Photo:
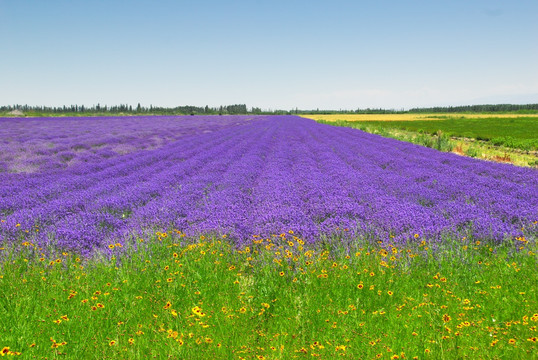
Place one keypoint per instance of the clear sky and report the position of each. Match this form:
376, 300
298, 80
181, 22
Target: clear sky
273, 54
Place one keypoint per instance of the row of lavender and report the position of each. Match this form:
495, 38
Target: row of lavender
49, 144
268, 176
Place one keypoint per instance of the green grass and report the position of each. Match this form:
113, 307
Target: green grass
517, 133
202, 298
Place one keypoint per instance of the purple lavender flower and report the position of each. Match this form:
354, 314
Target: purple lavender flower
245, 175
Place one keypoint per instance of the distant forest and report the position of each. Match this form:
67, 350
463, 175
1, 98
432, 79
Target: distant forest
477, 108
129, 109
488, 108
238, 109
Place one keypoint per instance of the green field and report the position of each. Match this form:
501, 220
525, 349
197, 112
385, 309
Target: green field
520, 133
277, 298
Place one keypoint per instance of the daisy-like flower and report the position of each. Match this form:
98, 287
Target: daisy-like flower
198, 311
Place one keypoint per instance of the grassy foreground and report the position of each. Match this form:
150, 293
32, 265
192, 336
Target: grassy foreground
278, 298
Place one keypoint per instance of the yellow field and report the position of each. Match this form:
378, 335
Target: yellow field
407, 117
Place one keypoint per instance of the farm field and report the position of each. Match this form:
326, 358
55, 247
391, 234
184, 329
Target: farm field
517, 133
258, 237
504, 138
410, 117
47, 144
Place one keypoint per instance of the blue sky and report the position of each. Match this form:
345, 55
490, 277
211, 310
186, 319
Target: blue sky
272, 54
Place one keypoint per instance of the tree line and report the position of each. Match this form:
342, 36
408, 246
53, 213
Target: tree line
477, 108
486, 108
129, 109
238, 109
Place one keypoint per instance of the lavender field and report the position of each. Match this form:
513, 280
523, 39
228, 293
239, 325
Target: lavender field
83, 183
258, 237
